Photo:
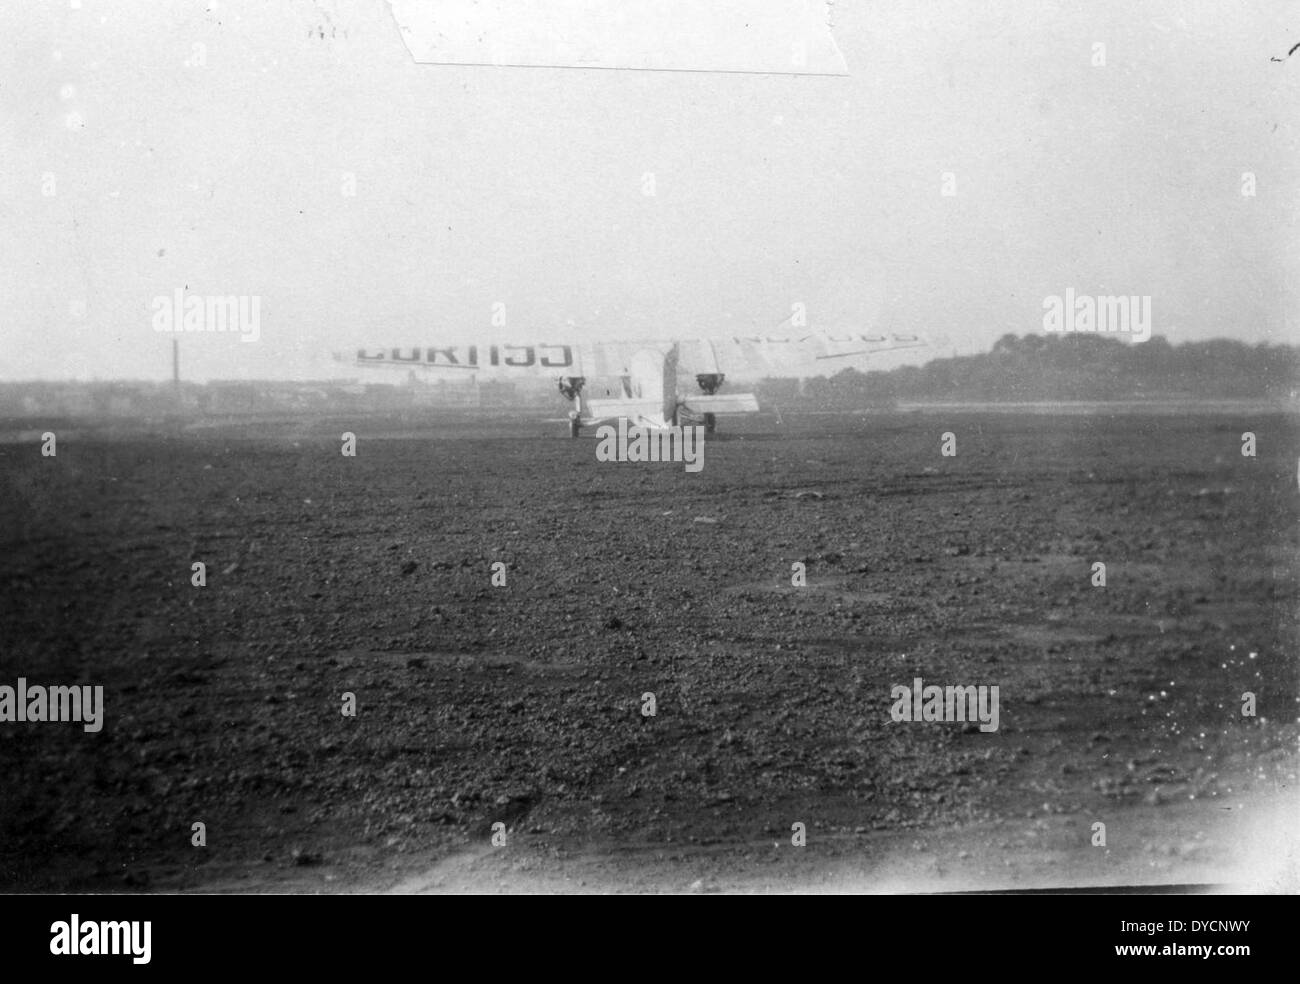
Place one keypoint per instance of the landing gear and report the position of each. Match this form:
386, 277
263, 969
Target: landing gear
571, 390
710, 383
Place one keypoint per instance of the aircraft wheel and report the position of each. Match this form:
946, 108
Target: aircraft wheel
575, 426
710, 423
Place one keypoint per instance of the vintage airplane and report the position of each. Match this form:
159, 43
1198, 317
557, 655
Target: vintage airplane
642, 381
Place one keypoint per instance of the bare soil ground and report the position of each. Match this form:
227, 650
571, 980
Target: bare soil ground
523, 704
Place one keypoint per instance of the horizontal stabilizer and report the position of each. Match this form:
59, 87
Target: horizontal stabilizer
722, 403
633, 410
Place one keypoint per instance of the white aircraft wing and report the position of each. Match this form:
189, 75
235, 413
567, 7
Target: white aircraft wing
794, 355
741, 357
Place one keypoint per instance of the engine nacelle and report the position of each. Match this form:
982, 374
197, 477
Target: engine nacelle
710, 382
571, 386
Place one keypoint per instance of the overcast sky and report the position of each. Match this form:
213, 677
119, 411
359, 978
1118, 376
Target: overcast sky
525, 186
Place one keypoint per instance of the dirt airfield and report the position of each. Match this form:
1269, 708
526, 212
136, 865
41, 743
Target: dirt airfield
525, 704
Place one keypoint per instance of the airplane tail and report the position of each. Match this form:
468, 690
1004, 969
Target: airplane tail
649, 391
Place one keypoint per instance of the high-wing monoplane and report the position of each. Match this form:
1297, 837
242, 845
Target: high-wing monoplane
655, 384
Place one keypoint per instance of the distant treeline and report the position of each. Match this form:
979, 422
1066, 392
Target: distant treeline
1036, 368
1063, 367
